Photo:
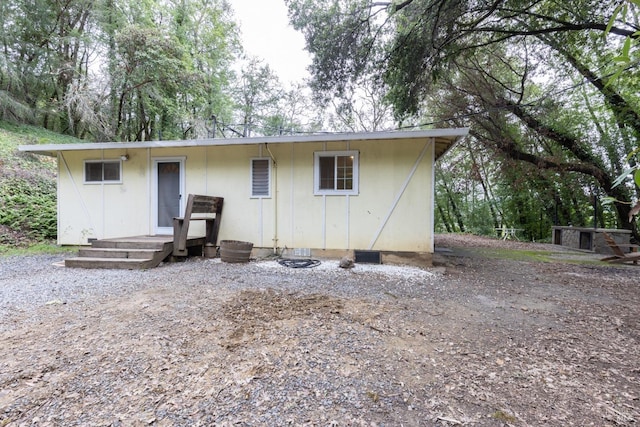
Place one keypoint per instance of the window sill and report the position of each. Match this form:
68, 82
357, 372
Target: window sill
335, 193
102, 182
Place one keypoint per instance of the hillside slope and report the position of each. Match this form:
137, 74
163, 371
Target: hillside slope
27, 186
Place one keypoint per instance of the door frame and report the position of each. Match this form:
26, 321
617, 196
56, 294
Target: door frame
154, 191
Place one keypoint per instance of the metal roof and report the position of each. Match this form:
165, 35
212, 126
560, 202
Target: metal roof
444, 139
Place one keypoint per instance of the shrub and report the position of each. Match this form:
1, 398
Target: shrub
28, 204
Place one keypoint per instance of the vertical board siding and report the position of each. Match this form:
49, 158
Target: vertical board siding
303, 219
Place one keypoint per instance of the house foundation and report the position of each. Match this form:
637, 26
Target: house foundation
415, 259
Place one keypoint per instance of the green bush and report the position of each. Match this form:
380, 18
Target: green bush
28, 205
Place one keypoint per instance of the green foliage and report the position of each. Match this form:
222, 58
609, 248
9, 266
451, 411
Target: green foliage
477, 194
28, 203
128, 70
44, 48
116, 69
626, 10
531, 79
339, 36
170, 68
150, 75
27, 186
15, 134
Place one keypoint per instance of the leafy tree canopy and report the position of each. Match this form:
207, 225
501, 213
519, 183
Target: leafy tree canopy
536, 80
127, 70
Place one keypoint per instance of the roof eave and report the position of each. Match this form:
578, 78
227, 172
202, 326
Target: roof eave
452, 134
452, 143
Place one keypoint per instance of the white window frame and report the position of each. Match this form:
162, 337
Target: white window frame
251, 170
335, 192
102, 181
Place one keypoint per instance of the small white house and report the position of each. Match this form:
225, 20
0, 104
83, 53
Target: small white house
327, 195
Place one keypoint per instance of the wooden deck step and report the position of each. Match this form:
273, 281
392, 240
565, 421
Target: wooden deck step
121, 263
137, 252
131, 243
116, 253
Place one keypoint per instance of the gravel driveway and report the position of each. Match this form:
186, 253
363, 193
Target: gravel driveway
479, 340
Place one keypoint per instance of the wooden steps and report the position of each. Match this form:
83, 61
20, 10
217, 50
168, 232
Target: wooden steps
121, 263
117, 253
138, 252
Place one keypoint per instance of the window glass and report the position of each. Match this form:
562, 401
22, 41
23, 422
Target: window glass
345, 172
93, 172
327, 169
111, 171
97, 171
336, 172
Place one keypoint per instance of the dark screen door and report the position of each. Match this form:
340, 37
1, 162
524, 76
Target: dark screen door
168, 193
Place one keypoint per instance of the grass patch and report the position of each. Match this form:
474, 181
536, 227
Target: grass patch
529, 255
12, 135
43, 248
26, 134
519, 254
504, 417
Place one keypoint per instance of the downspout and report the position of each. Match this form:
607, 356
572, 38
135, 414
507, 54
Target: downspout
275, 200
102, 202
432, 196
59, 159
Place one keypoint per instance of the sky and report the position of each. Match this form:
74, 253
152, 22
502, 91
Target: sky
266, 34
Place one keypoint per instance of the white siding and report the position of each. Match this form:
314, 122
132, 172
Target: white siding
393, 207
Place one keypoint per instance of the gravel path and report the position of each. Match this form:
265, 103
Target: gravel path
481, 340
30, 282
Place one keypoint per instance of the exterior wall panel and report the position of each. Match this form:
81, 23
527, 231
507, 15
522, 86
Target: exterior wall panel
303, 219
103, 209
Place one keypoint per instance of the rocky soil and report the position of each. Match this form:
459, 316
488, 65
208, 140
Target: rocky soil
497, 333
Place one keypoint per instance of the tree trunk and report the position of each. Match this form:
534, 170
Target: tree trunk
479, 177
445, 219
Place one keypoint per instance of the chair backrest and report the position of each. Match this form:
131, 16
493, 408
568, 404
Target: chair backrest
203, 205
613, 245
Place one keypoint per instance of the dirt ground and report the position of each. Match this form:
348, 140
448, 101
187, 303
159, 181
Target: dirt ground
500, 333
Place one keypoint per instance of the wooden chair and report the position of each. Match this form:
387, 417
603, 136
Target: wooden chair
204, 207
619, 255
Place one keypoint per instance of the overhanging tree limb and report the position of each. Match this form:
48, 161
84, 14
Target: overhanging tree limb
624, 112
